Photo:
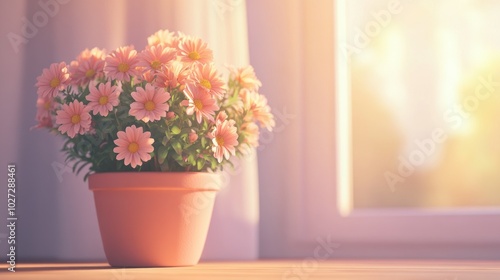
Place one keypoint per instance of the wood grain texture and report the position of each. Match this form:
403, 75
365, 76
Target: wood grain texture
267, 270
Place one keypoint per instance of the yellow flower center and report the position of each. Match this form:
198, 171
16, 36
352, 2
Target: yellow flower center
75, 119
133, 147
194, 55
219, 140
198, 104
46, 105
123, 67
206, 84
156, 64
55, 82
149, 105
90, 73
103, 100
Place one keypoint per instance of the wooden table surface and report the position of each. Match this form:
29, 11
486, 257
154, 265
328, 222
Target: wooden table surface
268, 269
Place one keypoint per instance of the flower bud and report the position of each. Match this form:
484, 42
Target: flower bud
193, 136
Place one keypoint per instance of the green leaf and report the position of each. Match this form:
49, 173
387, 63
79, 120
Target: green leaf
179, 159
200, 163
75, 165
191, 160
162, 154
175, 130
177, 147
85, 178
203, 142
213, 163
120, 165
81, 167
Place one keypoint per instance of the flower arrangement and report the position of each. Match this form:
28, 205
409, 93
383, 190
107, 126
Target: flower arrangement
165, 108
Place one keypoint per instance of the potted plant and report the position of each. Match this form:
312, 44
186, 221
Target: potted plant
153, 129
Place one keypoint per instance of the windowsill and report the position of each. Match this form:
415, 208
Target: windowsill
269, 269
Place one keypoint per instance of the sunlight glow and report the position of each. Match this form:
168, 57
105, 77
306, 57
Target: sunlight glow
418, 104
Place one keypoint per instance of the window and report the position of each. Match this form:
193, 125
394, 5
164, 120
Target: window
417, 113
425, 103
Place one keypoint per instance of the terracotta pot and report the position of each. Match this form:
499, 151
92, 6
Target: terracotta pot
154, 218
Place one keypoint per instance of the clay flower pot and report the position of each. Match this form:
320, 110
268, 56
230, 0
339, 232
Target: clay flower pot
154, 218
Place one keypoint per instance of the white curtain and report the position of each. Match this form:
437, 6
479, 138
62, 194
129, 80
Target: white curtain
291, 46
55, 208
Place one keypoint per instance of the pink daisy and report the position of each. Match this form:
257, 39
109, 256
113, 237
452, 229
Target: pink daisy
199, 102
173, 75
53, 79
122, 63
245, 76
162, 38
73, 118
134, 146
206, 77
153, 58
177, 40
224, 140
256, 104
193, 50
147, 76
95, 52
44, 107
103, 98
150, 104
43, 122
251, 132
88, 66
221, 116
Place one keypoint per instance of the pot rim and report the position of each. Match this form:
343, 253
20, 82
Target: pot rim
151, 180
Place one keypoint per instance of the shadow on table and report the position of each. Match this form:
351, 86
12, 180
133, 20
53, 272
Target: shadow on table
56, 267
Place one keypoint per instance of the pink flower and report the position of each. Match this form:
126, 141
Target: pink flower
73, 118
170, 115
251, 133
162, 38
245, 76
103, 98
134, 146
43, 122
199, 102
45, 107
88, 66
53, 79
171, 76
193, 50
153, 58
122, 63
206, 77
150, 104
256, 105
192, 136
95, 52
147, 76
221, 116
224, 140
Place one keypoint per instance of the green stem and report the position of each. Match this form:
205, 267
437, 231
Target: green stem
117, 121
